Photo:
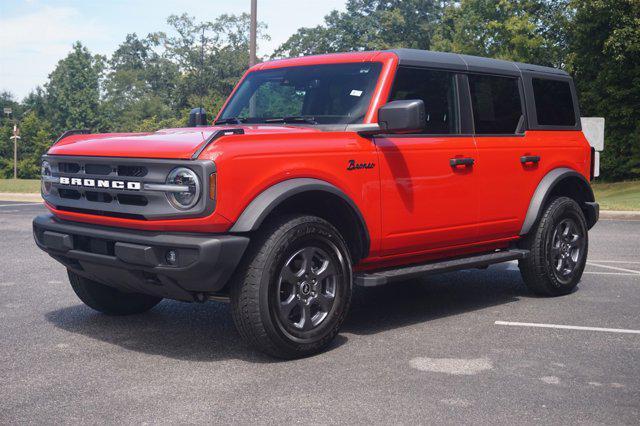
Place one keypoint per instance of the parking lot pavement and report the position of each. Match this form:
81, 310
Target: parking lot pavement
442, 349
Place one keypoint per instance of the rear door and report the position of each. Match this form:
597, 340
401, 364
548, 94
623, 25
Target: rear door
428, 203
508, 159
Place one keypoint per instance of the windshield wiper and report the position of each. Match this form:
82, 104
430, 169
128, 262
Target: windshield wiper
292, 119
231, 120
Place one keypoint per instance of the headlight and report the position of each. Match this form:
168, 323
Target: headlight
186, 177
45, 173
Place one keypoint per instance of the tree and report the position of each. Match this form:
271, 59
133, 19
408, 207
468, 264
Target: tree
211, 56
139, 84
518, 30
605, 61
73, 90
368, 25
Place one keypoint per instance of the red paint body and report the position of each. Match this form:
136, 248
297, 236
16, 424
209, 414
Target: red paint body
415, 205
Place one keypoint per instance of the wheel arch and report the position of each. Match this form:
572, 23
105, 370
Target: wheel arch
310, 196
561, 182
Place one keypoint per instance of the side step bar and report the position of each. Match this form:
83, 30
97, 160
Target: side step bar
372, 279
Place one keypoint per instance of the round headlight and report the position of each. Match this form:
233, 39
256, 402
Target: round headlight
45, 172
185, 177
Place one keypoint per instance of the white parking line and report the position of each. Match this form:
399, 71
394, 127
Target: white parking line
567, 327
615, 268
21, 204
612, 273
617, 261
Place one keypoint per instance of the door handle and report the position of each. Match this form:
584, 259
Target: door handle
530, 159
455, 162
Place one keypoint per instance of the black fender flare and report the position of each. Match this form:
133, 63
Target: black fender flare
543, 191
255, 213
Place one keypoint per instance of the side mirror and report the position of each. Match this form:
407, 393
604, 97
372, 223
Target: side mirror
197, 117
402, 116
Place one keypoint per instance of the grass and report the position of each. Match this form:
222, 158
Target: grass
611, 196
618, 195
20, 185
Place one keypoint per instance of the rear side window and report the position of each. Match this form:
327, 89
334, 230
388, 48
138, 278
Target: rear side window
496, 104
438, 91
554, 103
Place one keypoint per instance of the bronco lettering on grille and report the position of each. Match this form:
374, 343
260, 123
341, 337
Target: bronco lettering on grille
101, 183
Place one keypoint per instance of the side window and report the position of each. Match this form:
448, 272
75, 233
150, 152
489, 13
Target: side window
496, 104
554, 103
438, 91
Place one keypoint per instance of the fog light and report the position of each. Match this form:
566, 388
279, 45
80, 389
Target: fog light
171, 256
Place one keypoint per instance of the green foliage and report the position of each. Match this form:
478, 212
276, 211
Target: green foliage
517, 30
73, 90
605, 61
368, 25
152, 82
147, 84
598, 41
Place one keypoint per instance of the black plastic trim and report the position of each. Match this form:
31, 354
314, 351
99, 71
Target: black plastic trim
255, 213
377, 278
215, 135
465, 109
541, 194
138, 256
70, 133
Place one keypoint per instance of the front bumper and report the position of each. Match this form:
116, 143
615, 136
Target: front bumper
135, 261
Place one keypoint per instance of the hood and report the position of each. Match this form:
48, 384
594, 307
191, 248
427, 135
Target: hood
168, 143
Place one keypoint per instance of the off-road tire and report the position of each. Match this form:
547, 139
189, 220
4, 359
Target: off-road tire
109, 300
256, 289
540, 270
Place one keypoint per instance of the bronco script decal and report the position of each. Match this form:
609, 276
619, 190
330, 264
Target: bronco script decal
357, 166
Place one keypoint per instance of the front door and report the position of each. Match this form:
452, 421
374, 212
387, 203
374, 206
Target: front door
429, 188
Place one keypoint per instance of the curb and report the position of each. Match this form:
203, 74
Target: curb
619, 214
17, 196
36, 198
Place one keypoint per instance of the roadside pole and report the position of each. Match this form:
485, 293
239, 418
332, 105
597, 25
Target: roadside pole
15, 137
252, 33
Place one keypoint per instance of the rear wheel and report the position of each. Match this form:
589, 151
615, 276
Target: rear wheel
109, 300
294, 290
558, 249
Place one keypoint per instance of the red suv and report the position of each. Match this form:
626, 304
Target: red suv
321, 173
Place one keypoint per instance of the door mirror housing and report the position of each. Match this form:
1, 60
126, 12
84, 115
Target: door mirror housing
197, 117
405, 116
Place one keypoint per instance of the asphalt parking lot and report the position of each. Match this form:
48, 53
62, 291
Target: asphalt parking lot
444, 349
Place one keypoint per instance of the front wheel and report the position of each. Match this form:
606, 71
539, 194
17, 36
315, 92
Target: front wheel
294, 290
558, 249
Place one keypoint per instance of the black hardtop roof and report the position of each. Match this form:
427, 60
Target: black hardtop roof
455, 61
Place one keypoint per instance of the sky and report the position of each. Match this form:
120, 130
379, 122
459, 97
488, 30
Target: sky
36, 34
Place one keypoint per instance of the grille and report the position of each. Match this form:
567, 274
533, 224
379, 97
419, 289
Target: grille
132, 200
97, 169
69, 167
134, 171
70, 194
124, 201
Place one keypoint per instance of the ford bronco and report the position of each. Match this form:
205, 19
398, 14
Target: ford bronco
321, 173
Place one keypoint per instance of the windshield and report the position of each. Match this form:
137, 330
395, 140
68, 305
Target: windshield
316, 94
